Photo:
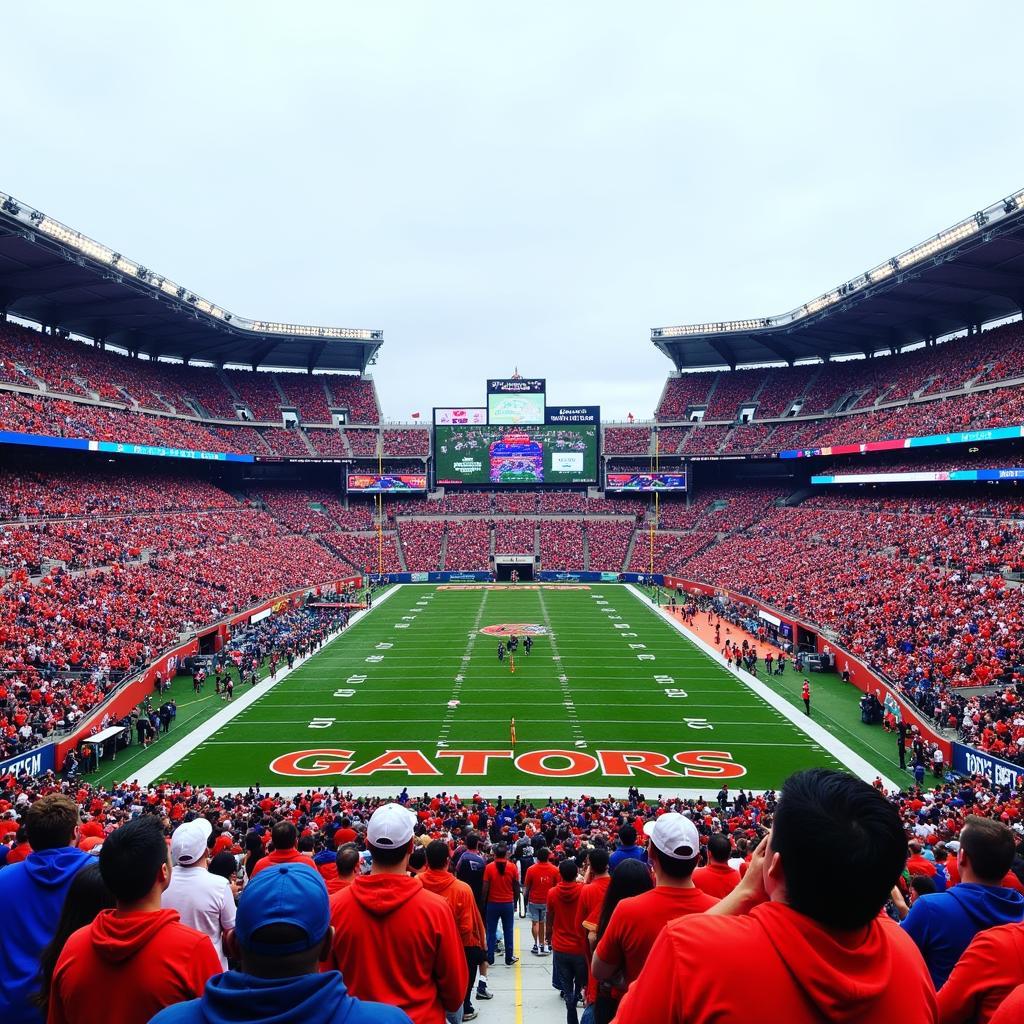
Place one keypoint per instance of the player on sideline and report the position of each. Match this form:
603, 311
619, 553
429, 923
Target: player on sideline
512, 731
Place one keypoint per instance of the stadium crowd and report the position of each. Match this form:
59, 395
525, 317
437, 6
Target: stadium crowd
220, 907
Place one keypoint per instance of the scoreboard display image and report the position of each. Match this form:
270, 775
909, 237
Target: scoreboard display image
642, 482
495, 454
516, 401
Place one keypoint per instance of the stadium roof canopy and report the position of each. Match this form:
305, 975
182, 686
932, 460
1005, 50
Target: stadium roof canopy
56, 276
968, 275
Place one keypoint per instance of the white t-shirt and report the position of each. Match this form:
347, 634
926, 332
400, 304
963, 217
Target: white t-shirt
204, 902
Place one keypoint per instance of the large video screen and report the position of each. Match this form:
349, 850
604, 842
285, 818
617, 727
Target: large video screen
516, 401
643, 482
378, 483
496, 454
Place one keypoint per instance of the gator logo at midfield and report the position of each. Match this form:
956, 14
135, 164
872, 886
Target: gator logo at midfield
515, 629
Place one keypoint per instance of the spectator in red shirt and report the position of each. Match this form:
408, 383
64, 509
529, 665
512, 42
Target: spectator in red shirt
394, 942
991, 967
501, 893
283, 837
717, 878
637, 922
346, 863
811, 950
595, 885
570, 961
540, 879
133, 961
917, 863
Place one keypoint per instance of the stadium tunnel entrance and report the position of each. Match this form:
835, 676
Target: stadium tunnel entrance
522, 565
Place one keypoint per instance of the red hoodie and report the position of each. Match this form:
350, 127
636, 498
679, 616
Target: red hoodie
798, 970
563, 906
716, 879
126, 967
989, 969
396, 943
281, 857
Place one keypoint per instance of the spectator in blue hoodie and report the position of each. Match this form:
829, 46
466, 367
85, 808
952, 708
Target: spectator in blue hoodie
282, 931
627, 848
32, 895
942, 924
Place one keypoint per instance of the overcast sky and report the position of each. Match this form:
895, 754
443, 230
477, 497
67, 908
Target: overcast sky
531, 185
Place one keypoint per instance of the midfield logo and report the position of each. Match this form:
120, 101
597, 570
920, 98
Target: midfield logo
515, 629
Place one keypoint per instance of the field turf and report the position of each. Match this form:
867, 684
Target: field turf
609, 676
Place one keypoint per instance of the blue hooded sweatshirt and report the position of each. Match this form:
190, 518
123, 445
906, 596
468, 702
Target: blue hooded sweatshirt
233, 997
32, 895
942, 924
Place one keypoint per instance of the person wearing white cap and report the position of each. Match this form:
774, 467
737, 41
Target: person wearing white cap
637, 921
395, 942
203, 900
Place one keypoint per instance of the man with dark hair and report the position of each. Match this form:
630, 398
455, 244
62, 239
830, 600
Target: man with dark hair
394, 941
138, 958
570, 960
540, 879
346, 862
470, 869
944, 923
283, 930
811, 950
438, 879
595, 885
284, 838
637, 921
717, 878
32, 894
627, 848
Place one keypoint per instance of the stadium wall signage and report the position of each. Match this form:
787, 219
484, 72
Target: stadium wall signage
968, 761
35, 762
118, 448
926, 441
930, 476
546, 764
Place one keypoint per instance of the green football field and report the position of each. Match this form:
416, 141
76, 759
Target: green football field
414, 694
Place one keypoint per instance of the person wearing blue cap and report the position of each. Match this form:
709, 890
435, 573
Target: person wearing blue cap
282, 931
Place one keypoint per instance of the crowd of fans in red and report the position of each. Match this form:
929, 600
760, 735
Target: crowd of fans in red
846, 958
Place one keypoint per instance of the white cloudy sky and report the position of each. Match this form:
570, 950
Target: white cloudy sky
531, 185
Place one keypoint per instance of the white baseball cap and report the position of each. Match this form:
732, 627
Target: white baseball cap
188, 844
391, 826
674, 835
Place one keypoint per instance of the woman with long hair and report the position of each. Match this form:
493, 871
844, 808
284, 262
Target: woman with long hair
254, 853
630, 878
87, 896
500, 896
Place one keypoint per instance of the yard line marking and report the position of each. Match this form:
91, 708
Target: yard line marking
814, 732
563, 679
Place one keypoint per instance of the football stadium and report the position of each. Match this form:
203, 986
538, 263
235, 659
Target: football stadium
576, 694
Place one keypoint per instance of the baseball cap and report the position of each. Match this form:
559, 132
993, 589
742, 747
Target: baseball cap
674, 835
391, 826
292, 894
188, 843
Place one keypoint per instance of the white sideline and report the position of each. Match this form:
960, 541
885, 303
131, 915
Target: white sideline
816, 732
162, 762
